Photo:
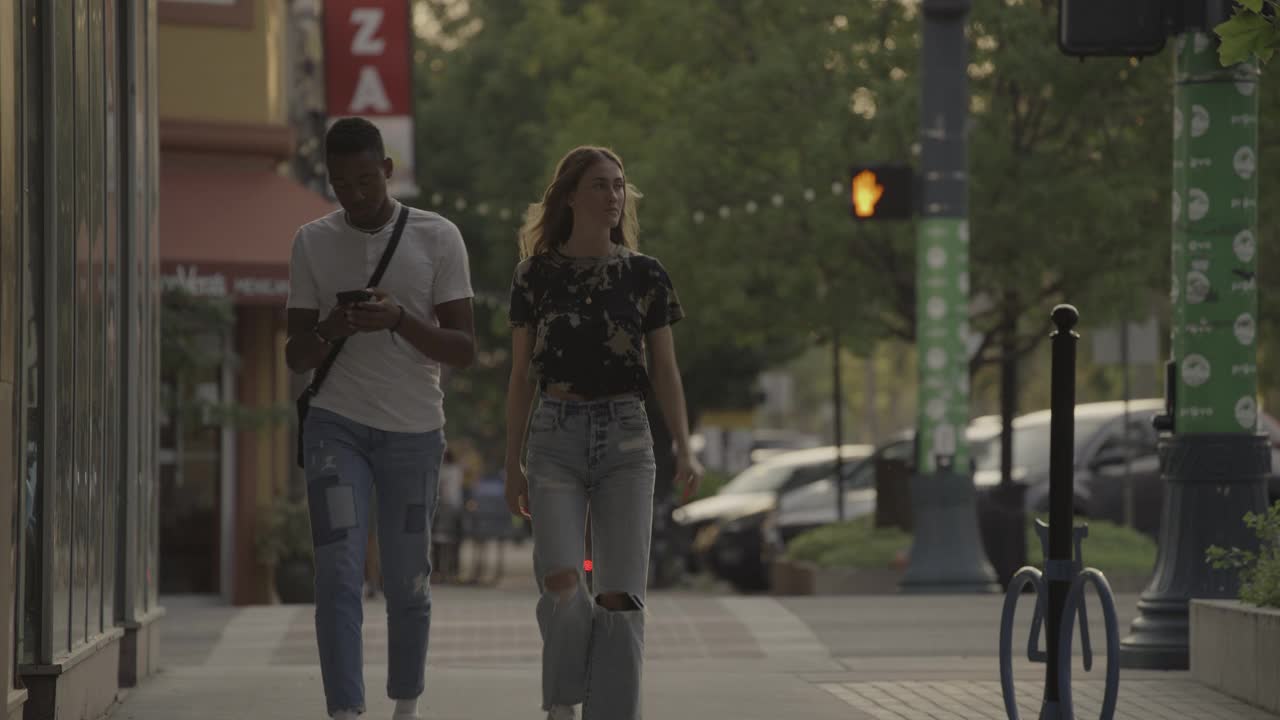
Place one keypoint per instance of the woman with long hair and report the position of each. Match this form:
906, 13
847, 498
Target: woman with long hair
585, 307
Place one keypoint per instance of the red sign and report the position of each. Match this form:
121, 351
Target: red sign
367, 62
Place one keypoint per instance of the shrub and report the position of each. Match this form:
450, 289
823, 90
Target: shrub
856, 543
1259, 571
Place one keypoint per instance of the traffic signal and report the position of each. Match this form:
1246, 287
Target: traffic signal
881, 192
1115, 28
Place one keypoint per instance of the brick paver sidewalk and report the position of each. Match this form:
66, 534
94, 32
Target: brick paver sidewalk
710, 657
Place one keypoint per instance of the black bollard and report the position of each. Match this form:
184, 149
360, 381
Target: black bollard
1059, 569
1059, 590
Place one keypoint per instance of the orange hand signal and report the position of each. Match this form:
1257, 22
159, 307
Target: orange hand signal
866, 193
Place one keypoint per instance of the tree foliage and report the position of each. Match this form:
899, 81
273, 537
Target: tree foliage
739, 119
1251, 31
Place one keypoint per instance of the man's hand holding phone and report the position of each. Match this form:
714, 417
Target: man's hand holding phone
379, 312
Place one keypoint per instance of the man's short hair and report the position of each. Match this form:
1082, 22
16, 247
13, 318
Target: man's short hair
354, 135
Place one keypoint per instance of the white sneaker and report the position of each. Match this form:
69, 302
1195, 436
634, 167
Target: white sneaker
562, 712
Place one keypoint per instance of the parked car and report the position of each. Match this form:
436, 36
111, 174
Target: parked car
1105, 461
1102, 459
814, 505
755, 490
760, 443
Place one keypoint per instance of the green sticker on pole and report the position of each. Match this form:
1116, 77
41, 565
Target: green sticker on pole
942, 322
1215, 210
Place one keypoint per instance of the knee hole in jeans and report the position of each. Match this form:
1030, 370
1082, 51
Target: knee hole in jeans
563, 582
619, 602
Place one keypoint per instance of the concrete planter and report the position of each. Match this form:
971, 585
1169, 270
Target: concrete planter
799, 578
790, 578
1235, 648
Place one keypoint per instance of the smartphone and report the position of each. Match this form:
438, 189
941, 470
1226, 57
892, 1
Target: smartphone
351, 297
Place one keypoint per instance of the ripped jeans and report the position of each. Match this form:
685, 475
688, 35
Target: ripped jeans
594, 456
345, 463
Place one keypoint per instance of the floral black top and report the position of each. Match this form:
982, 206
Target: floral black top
589, 317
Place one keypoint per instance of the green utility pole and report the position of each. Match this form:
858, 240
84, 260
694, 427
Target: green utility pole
1216, 462
946, 554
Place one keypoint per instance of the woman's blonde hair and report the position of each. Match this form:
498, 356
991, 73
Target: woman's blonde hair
547, 224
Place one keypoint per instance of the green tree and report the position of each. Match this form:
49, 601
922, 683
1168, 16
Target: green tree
736, 107
1069, 187
727, 102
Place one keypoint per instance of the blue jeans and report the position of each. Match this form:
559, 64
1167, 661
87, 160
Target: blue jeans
346, 462
591, 456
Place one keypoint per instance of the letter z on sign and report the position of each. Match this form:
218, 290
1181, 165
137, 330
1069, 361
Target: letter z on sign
367, 22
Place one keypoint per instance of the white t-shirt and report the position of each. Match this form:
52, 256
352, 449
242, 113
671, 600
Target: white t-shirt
379, 379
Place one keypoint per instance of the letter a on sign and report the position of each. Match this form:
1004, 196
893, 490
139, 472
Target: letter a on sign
370, 93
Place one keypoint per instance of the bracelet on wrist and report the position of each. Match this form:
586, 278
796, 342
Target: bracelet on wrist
399, 320
320, 334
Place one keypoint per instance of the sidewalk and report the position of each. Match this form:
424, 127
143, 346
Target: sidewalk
710, 657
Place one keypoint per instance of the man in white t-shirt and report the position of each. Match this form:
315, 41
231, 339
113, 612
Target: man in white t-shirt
376, 424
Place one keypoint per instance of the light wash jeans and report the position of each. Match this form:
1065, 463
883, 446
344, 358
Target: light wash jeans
345, 463
595, 455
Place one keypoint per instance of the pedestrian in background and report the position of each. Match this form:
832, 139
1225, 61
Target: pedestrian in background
585, 307
446, 535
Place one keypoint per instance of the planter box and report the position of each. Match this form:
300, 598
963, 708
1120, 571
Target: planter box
797, 578
1235, 648
790, 578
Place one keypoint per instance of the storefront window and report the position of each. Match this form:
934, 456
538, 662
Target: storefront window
83, 479
88, 333
30, 376
112, 456
59, 485
194, 330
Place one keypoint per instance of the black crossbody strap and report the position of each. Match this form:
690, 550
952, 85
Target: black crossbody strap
323, 370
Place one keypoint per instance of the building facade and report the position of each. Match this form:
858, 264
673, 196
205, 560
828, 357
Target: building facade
79, 349
233, 128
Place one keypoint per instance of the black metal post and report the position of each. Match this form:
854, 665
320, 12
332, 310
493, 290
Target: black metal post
1058, 565
837, 403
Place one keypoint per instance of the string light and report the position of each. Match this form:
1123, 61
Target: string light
699, 216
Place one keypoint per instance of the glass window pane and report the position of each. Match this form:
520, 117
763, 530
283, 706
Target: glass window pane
137, 389
97, 355
33, 336
83, 352
111, 251
153, 305
59, 511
